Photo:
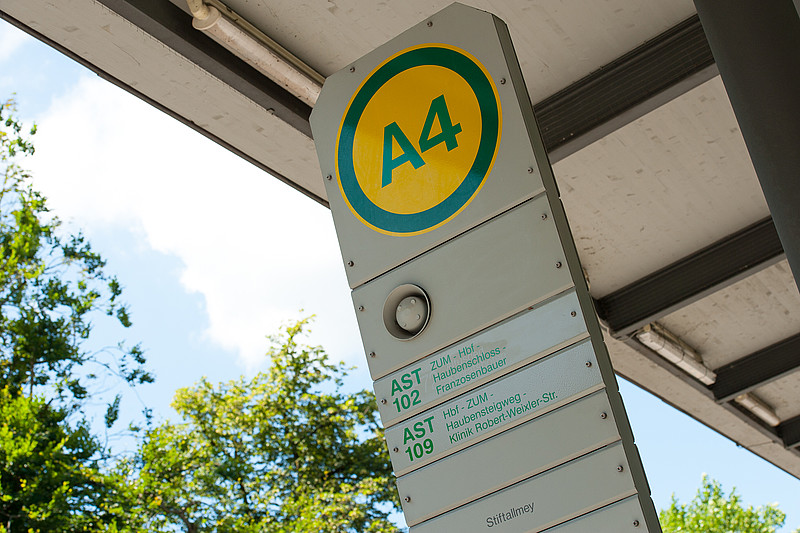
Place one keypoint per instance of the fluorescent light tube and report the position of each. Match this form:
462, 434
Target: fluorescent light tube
272, 63
676, 352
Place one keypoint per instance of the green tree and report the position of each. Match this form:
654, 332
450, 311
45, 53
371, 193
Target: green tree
712, 512
52, 285
52, 472
285, 451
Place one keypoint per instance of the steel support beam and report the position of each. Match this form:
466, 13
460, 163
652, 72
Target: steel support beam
671, 371
790, 432
169, 24
759, 368
786, 434
690, 279
757, 48
616, 94
173, 27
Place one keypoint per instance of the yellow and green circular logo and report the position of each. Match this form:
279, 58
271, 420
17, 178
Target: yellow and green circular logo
418, 139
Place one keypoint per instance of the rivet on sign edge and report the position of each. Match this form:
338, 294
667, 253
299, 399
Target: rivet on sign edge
372, 354
544, 216
352, 69
350, 263
502, 81
620, 469
588, 364
603, 415
430, 23
360, 307
329, 177
635, 523
407, 499
383, 401
573, 314
559, 264
395, 449
530, 170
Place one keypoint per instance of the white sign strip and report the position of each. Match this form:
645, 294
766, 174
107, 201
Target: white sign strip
543, 501
519, 453
494, 352
621, 517
528, 392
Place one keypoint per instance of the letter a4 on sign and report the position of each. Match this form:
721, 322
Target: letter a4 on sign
413, 134
409, 172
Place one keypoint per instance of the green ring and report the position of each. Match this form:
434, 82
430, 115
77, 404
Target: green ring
487, 103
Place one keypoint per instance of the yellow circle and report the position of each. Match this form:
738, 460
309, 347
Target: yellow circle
406, 100
418, 139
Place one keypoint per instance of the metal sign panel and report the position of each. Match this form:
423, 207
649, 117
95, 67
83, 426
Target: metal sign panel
450, 224
573, 489
621, 517
435, 97
526, 450
485, 411
480, 281
491, 353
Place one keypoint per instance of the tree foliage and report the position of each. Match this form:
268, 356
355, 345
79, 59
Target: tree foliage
52, 284
284, 451
712, 512
53, 478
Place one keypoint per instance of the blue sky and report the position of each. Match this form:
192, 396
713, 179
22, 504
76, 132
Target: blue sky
215, 254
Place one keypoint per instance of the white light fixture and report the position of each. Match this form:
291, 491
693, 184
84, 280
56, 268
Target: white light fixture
255, 48
676, 352
756, 406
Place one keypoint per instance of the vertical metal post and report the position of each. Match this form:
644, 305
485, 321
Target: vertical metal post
757, 49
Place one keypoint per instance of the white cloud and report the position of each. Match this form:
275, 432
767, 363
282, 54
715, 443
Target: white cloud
11, 39
254, 248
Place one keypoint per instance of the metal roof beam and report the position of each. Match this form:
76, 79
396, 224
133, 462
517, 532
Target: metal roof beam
717, 266
669, 371
624, 90
757, 46
652, 74
786, 434
173, 27
759, 368
790, 432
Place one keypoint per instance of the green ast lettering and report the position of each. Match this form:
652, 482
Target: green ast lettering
416, 433
406, 382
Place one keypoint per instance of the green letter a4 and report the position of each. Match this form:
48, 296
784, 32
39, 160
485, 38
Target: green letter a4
410, 154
